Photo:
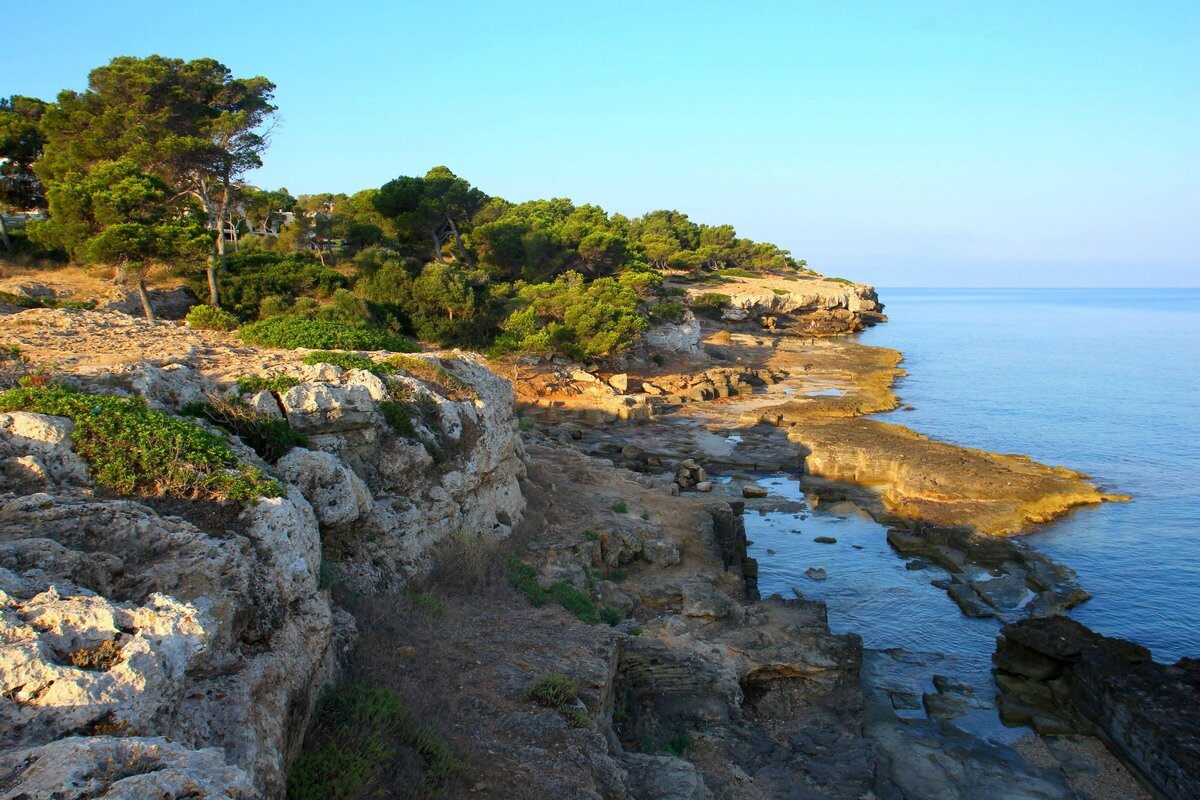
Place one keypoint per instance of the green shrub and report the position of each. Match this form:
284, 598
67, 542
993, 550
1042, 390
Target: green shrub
666, 312
133, 450
736, 272
397, 415
24, 301
610, 616
253, 277
272, 438
523, 578
253, 384
846, 281
711, 302
781, 292
553, 690
346, 361
679, 744
575, 716
290, 331
577, 601
620, 507
591, 536
210, 318
358, 732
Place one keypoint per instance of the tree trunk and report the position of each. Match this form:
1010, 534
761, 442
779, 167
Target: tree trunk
144, 297
437, 243
4, 233
458, 238
211, 272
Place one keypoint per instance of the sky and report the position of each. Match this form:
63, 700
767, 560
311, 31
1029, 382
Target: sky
901, 144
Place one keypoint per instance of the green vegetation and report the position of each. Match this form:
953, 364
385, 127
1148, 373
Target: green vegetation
591, 536
359, 732
451, 386
427, 256
396, 414
620, 507
553, 690
133, 450
253, 384
425, 602
210, 318
781, 292
270, 437
710, 303
524, 578
292, 331
679, 744
24, 301
346, 361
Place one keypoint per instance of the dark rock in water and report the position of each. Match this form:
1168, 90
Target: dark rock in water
915, 564
816, 573
825, 540
946, 685
1005, 592
904, 701
751, 490
1053, 669
944, 706
968, 601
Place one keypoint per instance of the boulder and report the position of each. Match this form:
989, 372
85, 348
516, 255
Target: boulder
337, 495
653, 777
620, 382
122, 768
751, 490
324, 408
45, 444
265, 404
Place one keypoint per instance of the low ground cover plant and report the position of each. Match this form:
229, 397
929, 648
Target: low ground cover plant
135, 451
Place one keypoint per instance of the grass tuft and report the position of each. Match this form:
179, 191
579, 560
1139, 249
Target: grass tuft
360, 729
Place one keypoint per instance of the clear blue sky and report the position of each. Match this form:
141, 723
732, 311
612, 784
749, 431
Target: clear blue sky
954, 144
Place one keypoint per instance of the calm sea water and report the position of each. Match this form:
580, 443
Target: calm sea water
1103, 381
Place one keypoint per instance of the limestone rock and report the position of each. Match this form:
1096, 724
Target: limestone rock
46, 439
325, 408
660, 777
265, 404
750, 491
122, 768
337, 495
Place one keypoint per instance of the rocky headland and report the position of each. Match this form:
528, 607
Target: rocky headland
524, 525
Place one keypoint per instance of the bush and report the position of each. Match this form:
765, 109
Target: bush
210, 318
24, 301
290, 331
620, 507
524, 578
666, 312
253, 384
398, 417
711, 302
270, 437
679, 744
346, 361
133, 450
254, 276
359, 730
553, 690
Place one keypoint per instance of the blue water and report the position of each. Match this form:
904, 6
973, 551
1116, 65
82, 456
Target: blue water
1103, 381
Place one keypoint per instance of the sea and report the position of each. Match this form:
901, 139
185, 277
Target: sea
1103, 381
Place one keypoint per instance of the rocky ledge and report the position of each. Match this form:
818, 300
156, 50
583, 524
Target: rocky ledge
149, 646
1058, 675
801, 304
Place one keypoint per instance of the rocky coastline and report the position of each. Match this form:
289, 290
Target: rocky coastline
167, 648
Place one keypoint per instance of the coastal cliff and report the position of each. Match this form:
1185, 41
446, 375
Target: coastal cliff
189, 640
458, 540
